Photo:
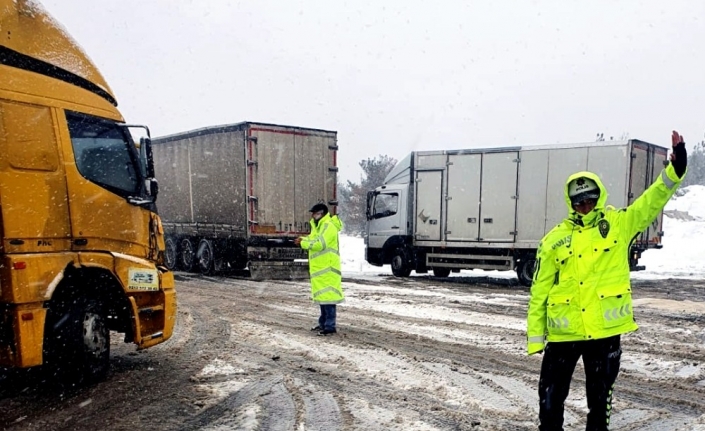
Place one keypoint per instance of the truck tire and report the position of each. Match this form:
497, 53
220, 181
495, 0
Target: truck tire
525, 270
204, 256
400, 263
171, 253
187, 256
77, 341
208, 260
441, 272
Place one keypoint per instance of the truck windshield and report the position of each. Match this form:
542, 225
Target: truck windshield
385, 205
104, 153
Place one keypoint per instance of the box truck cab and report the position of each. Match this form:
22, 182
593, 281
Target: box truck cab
82, 244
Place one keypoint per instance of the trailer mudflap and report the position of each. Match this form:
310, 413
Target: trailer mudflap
278, 270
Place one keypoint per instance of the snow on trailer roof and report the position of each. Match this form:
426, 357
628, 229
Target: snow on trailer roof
225, 128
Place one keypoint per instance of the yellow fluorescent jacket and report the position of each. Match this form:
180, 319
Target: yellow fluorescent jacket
324, 260
581, 288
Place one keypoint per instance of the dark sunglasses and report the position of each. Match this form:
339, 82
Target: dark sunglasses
585, 202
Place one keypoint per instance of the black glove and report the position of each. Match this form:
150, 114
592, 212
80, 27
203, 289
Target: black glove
680, 161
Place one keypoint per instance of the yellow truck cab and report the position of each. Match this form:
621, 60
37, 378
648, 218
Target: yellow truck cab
82, 245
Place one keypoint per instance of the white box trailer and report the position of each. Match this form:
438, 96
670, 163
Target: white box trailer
490, 208
237, 195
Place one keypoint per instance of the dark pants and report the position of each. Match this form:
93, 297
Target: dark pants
327, 317
601, 361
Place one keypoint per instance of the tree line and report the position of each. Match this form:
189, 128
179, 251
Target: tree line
696, 165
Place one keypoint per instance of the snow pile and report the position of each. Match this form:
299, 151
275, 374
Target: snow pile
683, 252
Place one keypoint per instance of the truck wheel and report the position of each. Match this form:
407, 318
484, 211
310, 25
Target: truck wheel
188, 255
171, 253
441, 272
525, 270
400, 263
77, 341
207, 262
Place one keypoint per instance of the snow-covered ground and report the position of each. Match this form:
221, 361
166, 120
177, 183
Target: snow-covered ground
457, 351
682, 255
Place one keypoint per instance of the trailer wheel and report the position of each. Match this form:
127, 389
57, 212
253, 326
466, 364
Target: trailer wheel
77, 341
208, 261
400, 263
441, 272
171, 253
188, 255
525, 270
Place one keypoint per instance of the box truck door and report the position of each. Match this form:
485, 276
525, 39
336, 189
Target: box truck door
611, 164
647, 163
428, 205
289, 170
498, 196
386, 217
531, 205
562, 163
464, 173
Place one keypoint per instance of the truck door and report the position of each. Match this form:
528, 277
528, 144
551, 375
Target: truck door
102, 173
386, 217
428, 205
498, 199
464, 175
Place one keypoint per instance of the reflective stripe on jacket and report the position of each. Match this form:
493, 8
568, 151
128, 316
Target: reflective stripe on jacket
324, 260
581, 288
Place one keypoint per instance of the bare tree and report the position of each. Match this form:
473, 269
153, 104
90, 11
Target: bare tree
353, 196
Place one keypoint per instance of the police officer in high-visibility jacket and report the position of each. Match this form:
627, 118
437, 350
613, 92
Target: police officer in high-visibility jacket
581, 297
324, 266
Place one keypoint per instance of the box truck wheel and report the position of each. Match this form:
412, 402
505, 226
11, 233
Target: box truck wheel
441, 272
77, 341
525, 269
171, 253
187, 257
400, 263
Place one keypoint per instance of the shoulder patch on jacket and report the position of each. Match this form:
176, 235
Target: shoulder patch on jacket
604, 227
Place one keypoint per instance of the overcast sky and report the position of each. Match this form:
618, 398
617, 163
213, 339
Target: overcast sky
391, 77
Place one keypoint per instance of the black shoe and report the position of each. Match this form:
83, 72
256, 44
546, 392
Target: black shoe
325, 332
317, 328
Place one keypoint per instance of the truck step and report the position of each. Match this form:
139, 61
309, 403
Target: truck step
151, 309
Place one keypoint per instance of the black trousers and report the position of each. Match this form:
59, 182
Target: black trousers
601, 360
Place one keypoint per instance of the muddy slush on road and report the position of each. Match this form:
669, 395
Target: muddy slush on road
420, 353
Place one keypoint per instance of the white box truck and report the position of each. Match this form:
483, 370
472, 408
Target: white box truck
489, 208
237, 195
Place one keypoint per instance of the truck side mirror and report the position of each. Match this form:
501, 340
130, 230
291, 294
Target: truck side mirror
368, 208
146, 148
153, 188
